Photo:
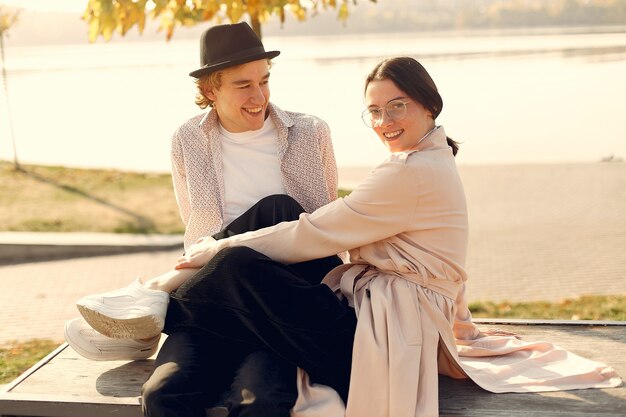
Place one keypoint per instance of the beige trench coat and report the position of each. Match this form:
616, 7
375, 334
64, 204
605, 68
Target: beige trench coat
407, 225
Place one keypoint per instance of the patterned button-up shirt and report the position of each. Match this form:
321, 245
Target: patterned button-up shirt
307, 165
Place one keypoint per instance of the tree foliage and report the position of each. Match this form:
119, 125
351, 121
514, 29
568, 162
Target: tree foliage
105, 17
8, 17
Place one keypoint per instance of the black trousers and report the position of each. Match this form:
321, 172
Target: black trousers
240, 326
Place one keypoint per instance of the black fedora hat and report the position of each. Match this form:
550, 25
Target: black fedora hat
225, 46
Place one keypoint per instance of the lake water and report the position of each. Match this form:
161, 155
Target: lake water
509, 97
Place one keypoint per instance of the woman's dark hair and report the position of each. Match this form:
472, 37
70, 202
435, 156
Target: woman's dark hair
412, 78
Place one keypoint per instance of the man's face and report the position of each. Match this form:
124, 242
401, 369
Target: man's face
241, 100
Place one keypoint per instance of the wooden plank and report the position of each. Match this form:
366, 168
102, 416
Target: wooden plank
67, 385
605, 344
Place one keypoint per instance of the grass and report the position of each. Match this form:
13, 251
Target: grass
59, 199
588, 307
18, 357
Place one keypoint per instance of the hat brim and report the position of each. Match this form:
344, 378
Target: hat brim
207, 69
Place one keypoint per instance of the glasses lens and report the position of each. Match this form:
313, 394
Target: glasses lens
370, 117
396, 109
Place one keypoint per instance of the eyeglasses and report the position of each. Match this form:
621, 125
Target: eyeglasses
395, 109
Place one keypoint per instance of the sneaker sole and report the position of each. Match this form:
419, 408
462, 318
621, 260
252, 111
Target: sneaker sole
139, 355
133, 328
79, 350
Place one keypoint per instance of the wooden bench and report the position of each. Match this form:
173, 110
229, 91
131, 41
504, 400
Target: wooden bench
65, 385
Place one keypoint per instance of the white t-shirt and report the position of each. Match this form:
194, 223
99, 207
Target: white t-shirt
251, 168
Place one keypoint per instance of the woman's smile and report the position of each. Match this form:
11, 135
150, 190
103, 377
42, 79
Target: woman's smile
393, 135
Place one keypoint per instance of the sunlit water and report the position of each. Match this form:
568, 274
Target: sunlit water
509, 98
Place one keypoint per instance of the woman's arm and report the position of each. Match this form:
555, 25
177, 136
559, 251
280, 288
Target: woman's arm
382, 206
171, 280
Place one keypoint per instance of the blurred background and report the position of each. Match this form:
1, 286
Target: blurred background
539, 81
535, 91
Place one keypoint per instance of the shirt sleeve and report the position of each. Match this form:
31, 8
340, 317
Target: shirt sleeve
329, 164
382, 206
179, 178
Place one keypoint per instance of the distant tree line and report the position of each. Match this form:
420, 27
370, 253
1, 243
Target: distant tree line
412, 15
529, 13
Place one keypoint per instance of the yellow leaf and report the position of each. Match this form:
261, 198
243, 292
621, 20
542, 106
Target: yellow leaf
208, 15
108, 27
301, 14
141, 19
168, 24
235, 10
343, 12
159, 7
94, 29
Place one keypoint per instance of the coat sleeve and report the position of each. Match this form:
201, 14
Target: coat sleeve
381, 207
179, 178
463, 327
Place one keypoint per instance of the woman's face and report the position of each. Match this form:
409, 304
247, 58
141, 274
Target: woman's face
397, 135
241, 100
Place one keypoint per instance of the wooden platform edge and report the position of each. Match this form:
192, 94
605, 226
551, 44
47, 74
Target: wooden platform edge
26, 407
13, 402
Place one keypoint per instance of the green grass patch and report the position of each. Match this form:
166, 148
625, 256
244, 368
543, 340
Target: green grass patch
588, 307
18, 357
343, 193
59, 199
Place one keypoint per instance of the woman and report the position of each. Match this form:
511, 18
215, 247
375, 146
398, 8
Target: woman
405, 228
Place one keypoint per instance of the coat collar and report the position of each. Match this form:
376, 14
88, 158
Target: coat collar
436, 138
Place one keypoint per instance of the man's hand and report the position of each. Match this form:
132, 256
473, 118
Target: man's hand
199, 254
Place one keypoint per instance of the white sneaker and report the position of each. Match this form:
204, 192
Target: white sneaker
133, 312
97, 347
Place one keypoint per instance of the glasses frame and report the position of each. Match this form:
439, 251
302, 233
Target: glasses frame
366, 115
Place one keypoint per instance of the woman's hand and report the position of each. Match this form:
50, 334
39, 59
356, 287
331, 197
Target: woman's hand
199, 254
496, 332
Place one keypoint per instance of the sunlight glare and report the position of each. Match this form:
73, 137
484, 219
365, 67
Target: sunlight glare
47, 5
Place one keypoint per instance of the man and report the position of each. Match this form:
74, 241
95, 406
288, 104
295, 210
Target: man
231, 169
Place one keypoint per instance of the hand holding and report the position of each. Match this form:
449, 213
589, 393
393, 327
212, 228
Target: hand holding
199, 254
497, 332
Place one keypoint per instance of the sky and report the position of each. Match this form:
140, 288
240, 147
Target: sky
48, 5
